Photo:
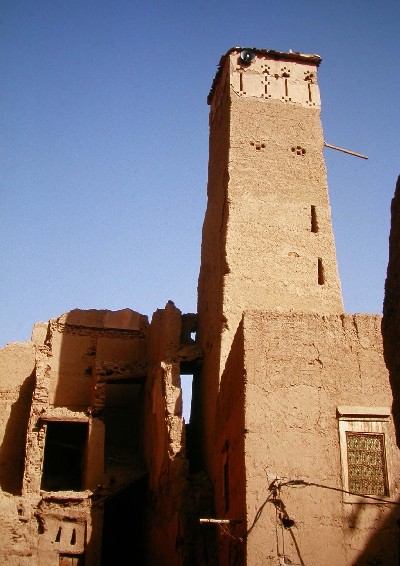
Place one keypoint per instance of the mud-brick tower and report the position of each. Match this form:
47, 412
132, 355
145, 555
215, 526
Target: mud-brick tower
267, 236
292, 390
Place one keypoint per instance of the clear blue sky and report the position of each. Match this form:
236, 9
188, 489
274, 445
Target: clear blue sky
105, 143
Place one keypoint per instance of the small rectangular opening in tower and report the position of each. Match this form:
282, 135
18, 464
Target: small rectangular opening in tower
321, 274
314, 221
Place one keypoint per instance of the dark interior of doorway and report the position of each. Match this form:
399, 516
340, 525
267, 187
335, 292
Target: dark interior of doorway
123, 526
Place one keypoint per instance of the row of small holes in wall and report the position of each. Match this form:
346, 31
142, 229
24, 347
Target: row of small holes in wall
258, 145
297, 150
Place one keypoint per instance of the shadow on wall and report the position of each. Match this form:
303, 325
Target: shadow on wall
385, 538
391, 311
230, 481
12, 450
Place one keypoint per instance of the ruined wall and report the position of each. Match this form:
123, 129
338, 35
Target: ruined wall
172, 526
17, 363
82, 420
300, 369
94, 464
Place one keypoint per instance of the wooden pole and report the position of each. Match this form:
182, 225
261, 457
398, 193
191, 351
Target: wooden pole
345, 150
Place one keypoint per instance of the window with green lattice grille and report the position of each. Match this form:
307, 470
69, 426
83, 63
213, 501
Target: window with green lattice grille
366, 463
364, 459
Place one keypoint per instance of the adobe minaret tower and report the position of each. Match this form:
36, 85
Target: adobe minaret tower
267, 236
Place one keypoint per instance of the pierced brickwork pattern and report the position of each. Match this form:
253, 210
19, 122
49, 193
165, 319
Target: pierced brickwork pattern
366, 463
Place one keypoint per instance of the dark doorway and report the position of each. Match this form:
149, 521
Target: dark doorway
123, 526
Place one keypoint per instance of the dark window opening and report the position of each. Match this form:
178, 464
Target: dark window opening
122, 420
321, 274
63, 456
314, 221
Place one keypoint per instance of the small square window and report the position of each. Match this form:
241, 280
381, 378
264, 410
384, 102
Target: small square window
362, 433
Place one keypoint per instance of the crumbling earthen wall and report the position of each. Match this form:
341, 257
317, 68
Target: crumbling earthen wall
17, 364
83, 430
171, 520
300, 369
104, 464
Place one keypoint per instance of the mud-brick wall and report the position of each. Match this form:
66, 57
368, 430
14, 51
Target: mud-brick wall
167, 536
299, 368
17, 363
230, 476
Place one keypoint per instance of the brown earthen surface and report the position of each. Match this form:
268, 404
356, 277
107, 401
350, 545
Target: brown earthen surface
299, 369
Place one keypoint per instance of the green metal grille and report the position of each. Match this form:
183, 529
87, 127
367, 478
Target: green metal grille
366, 463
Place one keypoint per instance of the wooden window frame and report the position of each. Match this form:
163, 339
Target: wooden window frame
363, 420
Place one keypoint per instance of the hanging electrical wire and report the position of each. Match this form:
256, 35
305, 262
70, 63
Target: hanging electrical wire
303, 483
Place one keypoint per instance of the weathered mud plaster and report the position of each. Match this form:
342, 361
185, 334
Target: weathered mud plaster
293, 389
172, 520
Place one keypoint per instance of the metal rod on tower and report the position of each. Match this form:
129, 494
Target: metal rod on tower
345, 150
